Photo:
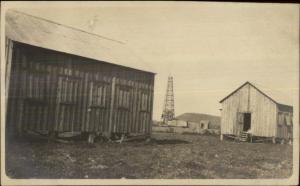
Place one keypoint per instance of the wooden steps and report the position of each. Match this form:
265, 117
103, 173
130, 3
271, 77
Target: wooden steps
243, 136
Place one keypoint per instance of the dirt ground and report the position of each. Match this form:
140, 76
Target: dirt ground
165, 156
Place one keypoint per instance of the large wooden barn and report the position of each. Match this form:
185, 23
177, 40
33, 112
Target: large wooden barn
248, 109
61, 79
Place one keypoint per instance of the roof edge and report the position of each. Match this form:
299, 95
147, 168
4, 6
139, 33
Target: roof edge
108, 57
247, 82
285, 108
67, 26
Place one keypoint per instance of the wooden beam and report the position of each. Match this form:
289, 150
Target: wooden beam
111, 111
9, 54
273, 140
151, 98
91, 137
248, 104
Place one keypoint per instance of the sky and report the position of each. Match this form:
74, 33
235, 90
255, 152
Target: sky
210, 48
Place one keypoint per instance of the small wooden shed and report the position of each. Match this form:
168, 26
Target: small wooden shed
248, 109
60, 78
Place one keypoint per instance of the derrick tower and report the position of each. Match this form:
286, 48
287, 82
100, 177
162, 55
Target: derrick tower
168, 110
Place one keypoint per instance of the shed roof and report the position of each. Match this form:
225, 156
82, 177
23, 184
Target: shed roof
47, 34
269, 94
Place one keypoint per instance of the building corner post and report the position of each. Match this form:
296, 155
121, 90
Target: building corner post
273, 140
110, 127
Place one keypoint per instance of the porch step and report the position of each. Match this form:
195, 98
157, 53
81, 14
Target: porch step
243, 136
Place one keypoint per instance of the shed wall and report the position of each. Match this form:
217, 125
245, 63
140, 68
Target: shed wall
54, 91
284, 125
264, 114
238, 102
248, 99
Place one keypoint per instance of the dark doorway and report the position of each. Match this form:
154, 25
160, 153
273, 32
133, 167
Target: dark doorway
247, 121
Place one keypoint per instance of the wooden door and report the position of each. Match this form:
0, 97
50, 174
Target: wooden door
34, 111
123, 97
67, 101
98, 106
144, 109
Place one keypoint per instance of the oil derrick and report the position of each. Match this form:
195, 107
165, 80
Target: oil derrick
168, 110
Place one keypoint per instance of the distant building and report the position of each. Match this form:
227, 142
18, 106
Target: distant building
201, 121
177, 123
249, 109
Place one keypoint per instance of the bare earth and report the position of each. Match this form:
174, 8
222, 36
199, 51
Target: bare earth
165, 156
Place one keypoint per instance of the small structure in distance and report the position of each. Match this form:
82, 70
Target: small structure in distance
199, 121
191, 123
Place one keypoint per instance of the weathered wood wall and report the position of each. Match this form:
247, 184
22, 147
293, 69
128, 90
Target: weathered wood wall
284, 124
249, 99
264, 117
8, 58
238, 102
60, 92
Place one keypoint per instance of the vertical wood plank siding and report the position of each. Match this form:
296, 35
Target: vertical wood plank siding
230, 108
8, 59
248, 99
263, 119
52, 91
284, 130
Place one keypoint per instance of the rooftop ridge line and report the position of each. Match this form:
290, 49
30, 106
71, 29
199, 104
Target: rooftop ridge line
67, 26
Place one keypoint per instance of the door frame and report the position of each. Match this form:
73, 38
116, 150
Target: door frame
244, 120
241, 124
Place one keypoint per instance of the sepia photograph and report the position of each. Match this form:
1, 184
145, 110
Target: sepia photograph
155, 93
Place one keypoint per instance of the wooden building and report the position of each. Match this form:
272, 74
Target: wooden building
60, 78
177, 123
205, 121
248, 109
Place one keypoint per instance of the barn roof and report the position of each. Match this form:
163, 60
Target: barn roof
197, 117
47, 34
270, 94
